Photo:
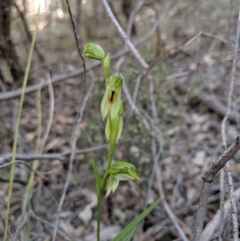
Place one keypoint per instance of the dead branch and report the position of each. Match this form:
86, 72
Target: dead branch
53, 156
157, 168
208, 177
224, 142
124, 36
16, 93
213, 225
79, 117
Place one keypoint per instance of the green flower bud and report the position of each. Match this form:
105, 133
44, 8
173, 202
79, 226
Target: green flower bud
106, 66
94, 51
112, 97
120, 171
115, 81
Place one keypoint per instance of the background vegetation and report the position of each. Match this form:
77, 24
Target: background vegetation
173, 114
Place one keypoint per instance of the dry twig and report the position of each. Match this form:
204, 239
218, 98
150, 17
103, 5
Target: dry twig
124, 35
213, 225
73, 151
157, 167
208, 177
224, 143
79, 117
53, 156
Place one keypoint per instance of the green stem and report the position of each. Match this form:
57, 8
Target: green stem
110, 157
99, 203
110, 154
16, 133
103, 186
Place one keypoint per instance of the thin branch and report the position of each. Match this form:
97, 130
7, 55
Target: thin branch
225, 157
157, 167
70, 166
213, 225
50, 117
156, 23
16, 93
53, 156
124, 35
201, 33
208, 177
132, 16
76, 40
20, 227
47, 224
137, 85
79, 117
224, 142
222, 197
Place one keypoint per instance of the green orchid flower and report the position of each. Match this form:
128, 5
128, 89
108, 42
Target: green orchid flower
94, 51
112, 101
120, 171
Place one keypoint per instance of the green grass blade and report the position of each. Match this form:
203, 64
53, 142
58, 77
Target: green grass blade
129, 236
15, 141
135, 222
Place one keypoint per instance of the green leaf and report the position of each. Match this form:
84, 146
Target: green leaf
129, 236
97, 176
135, 222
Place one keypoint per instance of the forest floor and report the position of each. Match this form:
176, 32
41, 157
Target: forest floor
190, 57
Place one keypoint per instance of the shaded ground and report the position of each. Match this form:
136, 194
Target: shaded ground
190, 79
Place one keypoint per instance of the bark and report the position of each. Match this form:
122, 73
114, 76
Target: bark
7, 48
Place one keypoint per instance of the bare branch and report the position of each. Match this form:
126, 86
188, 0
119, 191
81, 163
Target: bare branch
157, 167
53, 156
132, 16
16, 93
208, 177
222, 197
73, 151
124, 35
48, 224
79, 117
224, 141
201, 33
213, 225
